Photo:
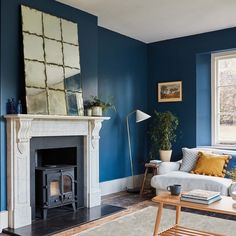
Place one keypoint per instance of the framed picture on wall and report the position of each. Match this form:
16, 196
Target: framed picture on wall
170, 91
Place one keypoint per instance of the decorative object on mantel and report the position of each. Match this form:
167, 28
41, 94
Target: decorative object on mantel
170, 91
140, 116
19, 107
12, 107
89, 112
162, 134
98, 106
52, 64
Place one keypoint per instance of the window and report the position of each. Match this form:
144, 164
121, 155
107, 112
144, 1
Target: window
224, 99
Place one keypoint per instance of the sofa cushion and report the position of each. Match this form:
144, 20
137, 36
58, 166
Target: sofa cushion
232, 153
190, 181
166, 167
211, 164
189, 160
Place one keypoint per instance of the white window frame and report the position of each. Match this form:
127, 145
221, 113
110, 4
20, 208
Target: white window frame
215, 97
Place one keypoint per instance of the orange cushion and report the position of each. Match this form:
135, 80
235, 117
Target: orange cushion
211, 164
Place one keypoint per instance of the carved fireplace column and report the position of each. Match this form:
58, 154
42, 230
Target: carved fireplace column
93, 192
18, 171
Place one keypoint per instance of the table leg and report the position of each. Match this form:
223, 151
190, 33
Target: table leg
158, 219
178, 209
144, 180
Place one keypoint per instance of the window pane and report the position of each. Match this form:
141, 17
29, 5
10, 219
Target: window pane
227, 99
227, 71
227, 129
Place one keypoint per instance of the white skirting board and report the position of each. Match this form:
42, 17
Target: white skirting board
118, 185
3, 220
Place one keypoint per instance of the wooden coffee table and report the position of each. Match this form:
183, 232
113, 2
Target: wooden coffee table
224, 206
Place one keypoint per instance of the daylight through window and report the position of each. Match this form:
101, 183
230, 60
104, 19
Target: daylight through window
224, 98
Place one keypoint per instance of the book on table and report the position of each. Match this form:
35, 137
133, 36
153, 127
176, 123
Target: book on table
206, 202
201, 196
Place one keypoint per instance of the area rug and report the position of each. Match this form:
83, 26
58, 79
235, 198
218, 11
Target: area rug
141, 223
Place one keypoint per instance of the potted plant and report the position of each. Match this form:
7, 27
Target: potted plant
98, 106
162, 135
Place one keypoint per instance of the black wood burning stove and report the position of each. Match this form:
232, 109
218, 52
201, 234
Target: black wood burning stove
55, 187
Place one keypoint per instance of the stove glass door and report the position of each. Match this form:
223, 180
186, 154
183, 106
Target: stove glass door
67, 184
54, 188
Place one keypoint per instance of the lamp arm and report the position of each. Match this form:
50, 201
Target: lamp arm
130, 114
129, 143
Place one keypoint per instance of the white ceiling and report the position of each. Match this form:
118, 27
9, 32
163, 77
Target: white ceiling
155, 20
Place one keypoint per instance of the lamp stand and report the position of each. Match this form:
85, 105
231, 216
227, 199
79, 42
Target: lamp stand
133, 189
140, 116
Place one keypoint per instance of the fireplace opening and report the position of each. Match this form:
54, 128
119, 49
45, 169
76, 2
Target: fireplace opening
57, 175
55, 156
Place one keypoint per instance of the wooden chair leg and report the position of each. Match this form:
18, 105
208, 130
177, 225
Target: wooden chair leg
144, 180
158, 219
177, 219
155, 171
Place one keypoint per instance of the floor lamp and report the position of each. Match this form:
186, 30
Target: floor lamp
140, 116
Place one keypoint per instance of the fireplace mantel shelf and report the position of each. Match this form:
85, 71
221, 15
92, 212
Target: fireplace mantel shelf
55, 117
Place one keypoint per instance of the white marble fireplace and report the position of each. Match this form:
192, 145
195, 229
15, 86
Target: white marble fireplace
20, 129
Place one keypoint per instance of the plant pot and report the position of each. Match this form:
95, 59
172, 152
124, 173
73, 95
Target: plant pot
89, 112
165, 155
232, 188
97, 111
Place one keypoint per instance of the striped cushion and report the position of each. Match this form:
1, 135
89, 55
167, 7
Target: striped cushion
190, 157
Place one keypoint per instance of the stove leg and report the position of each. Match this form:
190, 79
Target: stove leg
45, 212
73, 205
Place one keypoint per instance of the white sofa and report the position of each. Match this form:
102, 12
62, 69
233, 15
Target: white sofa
169, 174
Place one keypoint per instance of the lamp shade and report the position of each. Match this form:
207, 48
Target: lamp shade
140, 116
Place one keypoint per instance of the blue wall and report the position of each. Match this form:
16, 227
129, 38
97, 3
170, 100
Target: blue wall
176, 59
203, 89
128, 70
12, 73
122, 72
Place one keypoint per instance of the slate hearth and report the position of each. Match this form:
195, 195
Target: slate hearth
63, 219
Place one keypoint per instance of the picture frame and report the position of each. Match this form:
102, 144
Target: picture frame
169, 91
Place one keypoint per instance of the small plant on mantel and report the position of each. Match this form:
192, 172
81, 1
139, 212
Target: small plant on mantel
98, 106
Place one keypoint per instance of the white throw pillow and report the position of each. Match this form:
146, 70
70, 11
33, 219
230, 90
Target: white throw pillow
189, 160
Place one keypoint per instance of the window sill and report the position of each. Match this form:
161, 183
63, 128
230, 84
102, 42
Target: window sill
221, 147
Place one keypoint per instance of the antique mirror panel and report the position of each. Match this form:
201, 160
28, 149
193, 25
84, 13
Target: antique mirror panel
52, 64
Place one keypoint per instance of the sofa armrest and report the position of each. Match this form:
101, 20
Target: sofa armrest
166, 167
